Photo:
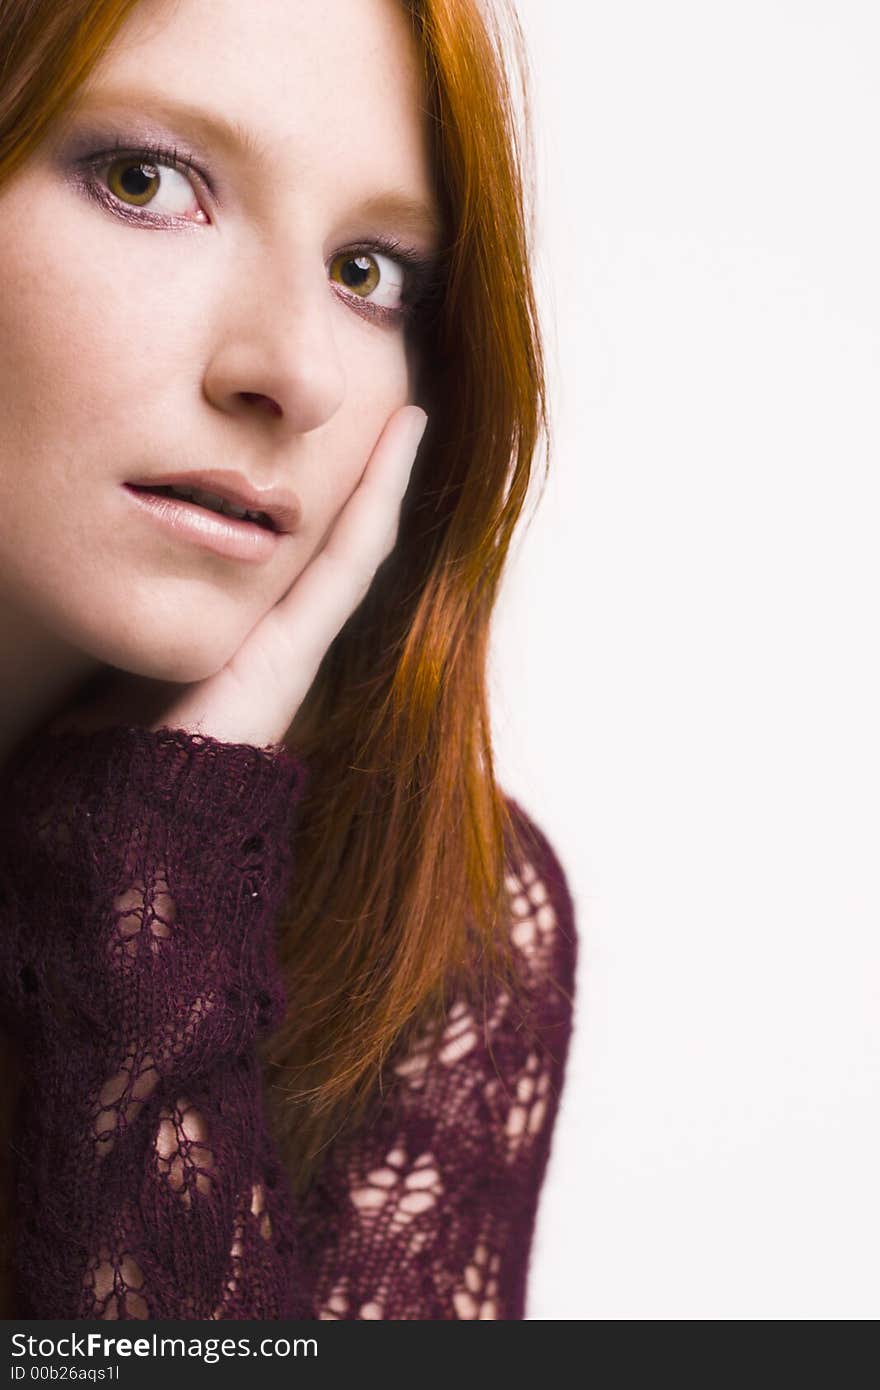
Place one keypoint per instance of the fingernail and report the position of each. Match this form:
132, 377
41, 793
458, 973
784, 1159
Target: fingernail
420, 420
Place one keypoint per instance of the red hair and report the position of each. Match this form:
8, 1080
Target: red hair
403, 838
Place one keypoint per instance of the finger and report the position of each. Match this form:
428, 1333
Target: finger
302, 625
366, 529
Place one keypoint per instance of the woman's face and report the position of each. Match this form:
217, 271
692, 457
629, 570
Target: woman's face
173, 319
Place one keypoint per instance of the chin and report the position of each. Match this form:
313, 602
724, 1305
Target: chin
162, 666
177, 651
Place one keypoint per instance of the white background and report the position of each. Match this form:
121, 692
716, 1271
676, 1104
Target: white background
685, 684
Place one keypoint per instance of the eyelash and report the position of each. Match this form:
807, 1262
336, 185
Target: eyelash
422, 278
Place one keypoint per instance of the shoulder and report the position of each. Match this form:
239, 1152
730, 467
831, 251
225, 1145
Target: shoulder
516, 1025
496, 1065
542, 919
510, 1032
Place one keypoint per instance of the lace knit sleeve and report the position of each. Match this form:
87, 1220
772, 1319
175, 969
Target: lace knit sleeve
140, 877
429, 1212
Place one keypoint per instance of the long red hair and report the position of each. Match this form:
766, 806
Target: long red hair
403, 838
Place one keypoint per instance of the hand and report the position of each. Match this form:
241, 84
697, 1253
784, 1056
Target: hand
255, 696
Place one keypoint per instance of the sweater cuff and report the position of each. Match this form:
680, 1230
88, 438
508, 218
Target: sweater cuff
174, 759
172, 784
99, 828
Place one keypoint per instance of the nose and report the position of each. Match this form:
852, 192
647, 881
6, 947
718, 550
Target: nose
274, 352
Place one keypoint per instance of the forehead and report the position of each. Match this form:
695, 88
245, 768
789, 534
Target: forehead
332, 88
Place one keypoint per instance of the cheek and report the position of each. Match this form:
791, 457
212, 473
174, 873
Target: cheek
75, 316
45, 277
378, 386
51, 348
378, 377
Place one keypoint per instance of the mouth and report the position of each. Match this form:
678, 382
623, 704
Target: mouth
211, 502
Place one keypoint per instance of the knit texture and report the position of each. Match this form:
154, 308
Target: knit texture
141, 877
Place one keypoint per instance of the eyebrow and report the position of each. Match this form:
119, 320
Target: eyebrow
411, 214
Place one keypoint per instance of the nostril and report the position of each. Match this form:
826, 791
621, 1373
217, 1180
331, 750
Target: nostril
265, 402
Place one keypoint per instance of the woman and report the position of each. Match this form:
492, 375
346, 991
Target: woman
251, 830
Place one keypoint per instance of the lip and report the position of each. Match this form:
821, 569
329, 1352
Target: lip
280, 504
223, 535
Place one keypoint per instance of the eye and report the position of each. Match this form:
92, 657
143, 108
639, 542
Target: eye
157, 185
142, 181
370, 276
139, 183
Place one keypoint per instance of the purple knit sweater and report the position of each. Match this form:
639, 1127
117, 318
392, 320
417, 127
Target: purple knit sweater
141, 875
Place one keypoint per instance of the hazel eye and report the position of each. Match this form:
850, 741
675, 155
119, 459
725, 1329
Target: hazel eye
368, 275
138, 183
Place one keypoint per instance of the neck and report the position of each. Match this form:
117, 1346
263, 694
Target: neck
41, 675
